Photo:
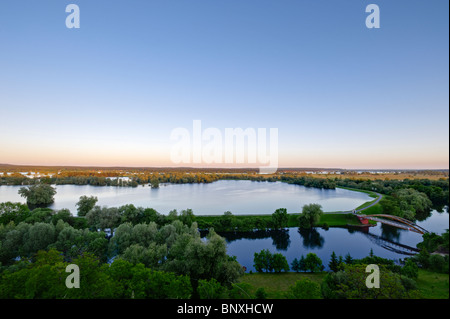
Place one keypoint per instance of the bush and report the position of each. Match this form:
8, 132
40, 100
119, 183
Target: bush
211, 289
437, 263
304, 289
410, 269
260, 294
409, 283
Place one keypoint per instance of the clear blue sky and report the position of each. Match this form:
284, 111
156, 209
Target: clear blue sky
111, 92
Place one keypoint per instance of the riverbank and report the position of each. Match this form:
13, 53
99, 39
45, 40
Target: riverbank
238, 223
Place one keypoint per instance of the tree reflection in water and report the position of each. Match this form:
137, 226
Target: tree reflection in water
280, 237
311, 238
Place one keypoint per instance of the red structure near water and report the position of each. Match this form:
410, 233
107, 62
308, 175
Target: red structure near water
363, 220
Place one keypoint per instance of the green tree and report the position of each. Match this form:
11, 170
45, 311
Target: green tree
154, 182
15, 212
334, 263
144, 234
38, 194
138, 281
351, 284
331, 283
310, 215
390, 206
40, 215
280, 218
211, 289
268, 262
302, 264
11, 241
262, 261
304, 289
151, 215
122, 238
313, 263
45, 279
260, 293
423, 257
187, 217
295, 265
340, 263
129, 213
410, 269
226, 221
95, 283
172, 216
412, 202
279, 263
38, 237
63, 215
150, 256
67, 239
103, 217
432, 241
438, 263
348, 259
85, 204
201, 260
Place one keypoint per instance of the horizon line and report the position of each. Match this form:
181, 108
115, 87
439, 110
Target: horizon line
224, 168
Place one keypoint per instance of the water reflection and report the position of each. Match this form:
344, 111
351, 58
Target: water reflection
390, 233
421, 216
311, 238
393, 246
280, 238
384, 240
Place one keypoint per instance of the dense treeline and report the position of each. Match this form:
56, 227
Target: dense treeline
173, 248
154, 179
150, 255
44, 276
436, 190
122, 181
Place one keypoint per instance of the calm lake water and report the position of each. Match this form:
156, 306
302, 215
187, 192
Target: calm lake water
239, 197
247, 197
384, 240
